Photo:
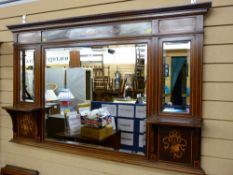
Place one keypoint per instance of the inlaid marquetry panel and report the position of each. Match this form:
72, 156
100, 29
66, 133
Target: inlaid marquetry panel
175, 144
26, 126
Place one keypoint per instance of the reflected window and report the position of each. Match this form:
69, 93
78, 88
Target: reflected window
27, 60
93, 94
176, 72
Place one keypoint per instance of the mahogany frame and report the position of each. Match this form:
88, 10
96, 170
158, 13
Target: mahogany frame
160, 125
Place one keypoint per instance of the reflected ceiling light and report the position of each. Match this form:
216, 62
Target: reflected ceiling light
171, 46
193, 1
24, 19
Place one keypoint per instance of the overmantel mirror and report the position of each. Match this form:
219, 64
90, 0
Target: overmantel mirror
124, 87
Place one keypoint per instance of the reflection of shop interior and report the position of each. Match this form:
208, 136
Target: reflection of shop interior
97, 77
114, 71
128, 135
177, 75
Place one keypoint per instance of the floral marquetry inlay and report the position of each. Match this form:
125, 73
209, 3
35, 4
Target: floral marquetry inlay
26, 125
175, 144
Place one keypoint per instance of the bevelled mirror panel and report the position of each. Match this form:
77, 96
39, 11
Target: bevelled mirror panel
27, 65
105, 31
176, 77
29, 37
96, 95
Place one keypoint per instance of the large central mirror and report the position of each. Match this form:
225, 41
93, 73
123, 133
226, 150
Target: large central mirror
96, 95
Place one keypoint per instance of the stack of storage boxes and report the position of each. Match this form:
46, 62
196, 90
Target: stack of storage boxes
130, 120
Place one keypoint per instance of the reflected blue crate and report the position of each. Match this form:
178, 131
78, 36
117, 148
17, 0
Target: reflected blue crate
128, 112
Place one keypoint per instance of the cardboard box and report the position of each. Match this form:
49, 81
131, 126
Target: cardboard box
100, 122
96, 133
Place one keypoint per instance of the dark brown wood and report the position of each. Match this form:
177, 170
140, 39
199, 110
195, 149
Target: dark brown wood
21, 109
27, 122
182, 10
175, 121
187, 123
17, 79
174, 144
110, 155
168, 24
15, 170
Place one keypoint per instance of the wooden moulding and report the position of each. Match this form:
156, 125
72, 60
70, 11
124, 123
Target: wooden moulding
175, 121
11, 109
162, 128
183, 10
109, 155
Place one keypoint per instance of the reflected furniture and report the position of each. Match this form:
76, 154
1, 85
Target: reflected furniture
100, 88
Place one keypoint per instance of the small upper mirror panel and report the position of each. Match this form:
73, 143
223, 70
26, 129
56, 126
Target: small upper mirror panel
27, 64
176, 73
103, 31
29, 37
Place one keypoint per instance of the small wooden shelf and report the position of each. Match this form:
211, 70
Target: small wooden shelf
21, 109
175, 121
27, 121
